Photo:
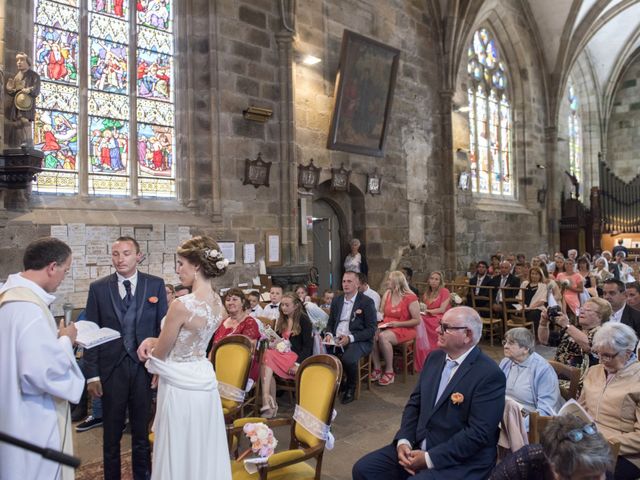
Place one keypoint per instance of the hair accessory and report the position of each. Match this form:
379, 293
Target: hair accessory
213, 254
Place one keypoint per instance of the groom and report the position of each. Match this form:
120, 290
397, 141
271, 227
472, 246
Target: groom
132, 303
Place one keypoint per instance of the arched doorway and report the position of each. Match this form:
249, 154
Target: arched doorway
337, 217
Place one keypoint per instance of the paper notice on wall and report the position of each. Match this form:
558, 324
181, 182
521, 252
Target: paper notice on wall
249, 253
59, 231
273, 249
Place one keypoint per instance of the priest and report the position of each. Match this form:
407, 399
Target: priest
39, 373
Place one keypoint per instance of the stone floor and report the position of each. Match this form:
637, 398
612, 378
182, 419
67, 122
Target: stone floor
360, 427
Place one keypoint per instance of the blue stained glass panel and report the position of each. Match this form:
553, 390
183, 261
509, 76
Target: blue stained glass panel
108, 145
108, 66
56, 135
56, 55
115, 8
155, 150
155, 13
154, 75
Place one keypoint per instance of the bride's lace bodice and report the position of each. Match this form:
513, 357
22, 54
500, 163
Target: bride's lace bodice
204, 317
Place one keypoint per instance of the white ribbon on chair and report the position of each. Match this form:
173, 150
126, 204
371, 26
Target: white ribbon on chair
230, 392
315, 426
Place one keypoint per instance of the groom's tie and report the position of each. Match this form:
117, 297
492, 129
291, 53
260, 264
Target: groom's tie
444, 379
127, 297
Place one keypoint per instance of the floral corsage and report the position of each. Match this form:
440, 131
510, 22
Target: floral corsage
153, 299
457, 398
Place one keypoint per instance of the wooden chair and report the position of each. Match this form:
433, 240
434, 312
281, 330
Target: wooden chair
232, 357
364, 369
483, 305
514, 317
567, 372
317, 383
405, 351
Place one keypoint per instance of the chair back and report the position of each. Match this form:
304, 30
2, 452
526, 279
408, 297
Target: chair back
567, 372
231, 358
537, 424
317, 382
482, 303
511, 313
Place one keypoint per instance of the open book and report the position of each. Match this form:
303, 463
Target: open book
574, 408
90, 335
271, 335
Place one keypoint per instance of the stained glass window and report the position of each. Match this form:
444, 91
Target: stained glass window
90, 138
489, 118
575, 136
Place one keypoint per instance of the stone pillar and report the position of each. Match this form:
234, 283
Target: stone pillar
2, 71
553, 208
288, 167
448, 185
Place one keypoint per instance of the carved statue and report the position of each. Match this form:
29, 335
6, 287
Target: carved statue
22, 91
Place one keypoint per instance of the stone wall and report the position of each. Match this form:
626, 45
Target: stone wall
624, 125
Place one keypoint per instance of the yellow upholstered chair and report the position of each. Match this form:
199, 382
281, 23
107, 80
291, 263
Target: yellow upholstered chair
317, 384
231, 358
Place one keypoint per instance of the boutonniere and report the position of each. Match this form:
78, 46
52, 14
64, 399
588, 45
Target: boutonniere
457, 398
153, 299
354, 314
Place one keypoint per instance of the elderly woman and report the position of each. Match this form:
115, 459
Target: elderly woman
355, 261
611, 394
601, 273
575, 344
531, 381
401, 311
569, 448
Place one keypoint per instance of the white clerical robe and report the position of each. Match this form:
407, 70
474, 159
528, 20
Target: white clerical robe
38, 375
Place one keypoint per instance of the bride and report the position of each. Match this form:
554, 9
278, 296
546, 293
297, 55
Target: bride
190, 439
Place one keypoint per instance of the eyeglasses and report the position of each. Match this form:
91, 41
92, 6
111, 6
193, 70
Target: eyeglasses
578, 434
509, 342
444, 327
605, 356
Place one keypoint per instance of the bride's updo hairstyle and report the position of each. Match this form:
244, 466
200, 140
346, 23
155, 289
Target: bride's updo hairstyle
204, 252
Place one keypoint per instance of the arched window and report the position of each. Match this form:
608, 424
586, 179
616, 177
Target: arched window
105, 117
575, 136
489, 119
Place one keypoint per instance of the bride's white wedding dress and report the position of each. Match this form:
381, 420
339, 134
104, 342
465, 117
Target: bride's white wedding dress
190, 439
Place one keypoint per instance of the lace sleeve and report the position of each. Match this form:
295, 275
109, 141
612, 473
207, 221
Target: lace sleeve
250, 329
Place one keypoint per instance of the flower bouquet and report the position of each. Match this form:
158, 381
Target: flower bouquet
263, 444
455, 298
283, 346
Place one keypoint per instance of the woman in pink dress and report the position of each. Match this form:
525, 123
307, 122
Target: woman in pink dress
572, 285
239, 322
401, 312
437, 301
283, 357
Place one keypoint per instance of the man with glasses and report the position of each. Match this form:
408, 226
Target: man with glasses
450, 423
614, 292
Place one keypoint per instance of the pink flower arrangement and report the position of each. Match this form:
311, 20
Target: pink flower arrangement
263, 442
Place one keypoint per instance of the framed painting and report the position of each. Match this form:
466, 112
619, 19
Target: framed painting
363, 96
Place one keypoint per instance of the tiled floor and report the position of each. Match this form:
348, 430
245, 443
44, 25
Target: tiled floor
360, 427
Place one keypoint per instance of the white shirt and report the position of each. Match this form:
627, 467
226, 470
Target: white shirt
479, 282
134, 282
37, 367
616, 316
272, 311
257, 311
373, 295
423, 444
345, 318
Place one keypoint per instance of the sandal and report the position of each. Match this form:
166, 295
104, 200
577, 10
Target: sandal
375, 375
387, 378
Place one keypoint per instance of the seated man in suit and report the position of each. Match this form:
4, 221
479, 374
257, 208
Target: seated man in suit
504, 279
449, 426
614, 292
352, 323
480, 279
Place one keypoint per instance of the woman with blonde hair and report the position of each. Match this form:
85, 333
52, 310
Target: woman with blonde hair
401, 314
437, 300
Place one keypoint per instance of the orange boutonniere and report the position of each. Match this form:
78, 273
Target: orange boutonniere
358, 312
153, 299
457, 398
